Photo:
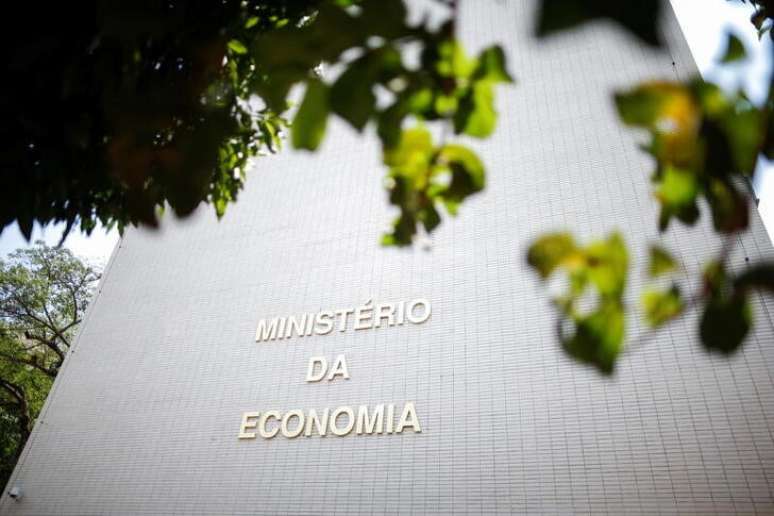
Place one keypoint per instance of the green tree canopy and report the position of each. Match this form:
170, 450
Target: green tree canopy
44, 292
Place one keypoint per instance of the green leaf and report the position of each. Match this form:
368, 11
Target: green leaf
429, 217
411, 157
453, 62
404, 229
469, 162
677, 193
491, 66
598, 337
661, 262
744, 130
390, 124
237, 46
725, 324
661, 307
734, 50
251, 22
384, 18
311, 119
608, 263
550, 251
638, 107
476, 115
352, 95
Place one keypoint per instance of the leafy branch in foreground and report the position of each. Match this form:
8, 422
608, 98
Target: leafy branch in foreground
129, 108
706, 144
134, 108
378, 86
590, 330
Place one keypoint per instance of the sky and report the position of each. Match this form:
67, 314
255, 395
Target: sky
704, 23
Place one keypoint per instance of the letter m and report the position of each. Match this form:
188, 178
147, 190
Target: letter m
267, 331
372, 425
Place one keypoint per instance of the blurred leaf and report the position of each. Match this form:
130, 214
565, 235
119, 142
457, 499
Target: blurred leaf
429, 217
640, 17
467, 173
734, 49
411, 158
476, 115
729, 207
550, 251
640, 106
237, 46
453, 62
25, 225
410, 163
384, 18
417, 182
389, 125
491, 66
759, 276
677, 192
725, 324
598, 337
661, 262
608, 263
661, 307
701, 139
352, 95
743, 127
309, 124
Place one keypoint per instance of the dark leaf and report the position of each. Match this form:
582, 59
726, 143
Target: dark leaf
237, 46
730, 211
476, 115
640, 17
734, 50
598, 337
725, 324
491, 66
759, 276
352, 97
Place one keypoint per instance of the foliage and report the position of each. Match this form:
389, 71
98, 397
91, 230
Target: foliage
763, 16
448, 87
163, 104
43, 296
702, 141
705, 144
598, 329
130, 106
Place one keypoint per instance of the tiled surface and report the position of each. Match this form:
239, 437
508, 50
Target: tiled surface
144, 417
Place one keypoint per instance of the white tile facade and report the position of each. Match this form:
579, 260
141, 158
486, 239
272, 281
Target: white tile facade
144, 417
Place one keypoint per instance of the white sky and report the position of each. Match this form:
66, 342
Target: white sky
704, 23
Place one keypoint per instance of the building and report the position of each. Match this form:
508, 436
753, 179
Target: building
166, 374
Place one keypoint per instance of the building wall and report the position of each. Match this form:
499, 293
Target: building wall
144, 417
